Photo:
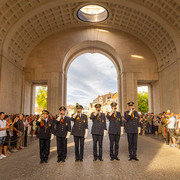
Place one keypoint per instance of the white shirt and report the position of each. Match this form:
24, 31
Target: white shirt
172, 121
3, 125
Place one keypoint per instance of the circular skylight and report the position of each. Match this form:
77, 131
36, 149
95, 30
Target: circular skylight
92, 13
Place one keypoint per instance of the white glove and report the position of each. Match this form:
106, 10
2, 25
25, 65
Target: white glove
74, 116
130, 112
52, 136
110, 114
58, 119
39, 120
95, 114
139, 130
86, 133
105, 132
122, 130
68, 135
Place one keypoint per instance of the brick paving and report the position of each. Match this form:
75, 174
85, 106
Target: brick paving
157, 161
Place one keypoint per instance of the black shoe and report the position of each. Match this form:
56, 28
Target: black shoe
46, 161
81, 160
58, 160
136, 159
76, 160
116, 158
100, 159
95, 159
112, 158
63, 160
41, 161
129, 159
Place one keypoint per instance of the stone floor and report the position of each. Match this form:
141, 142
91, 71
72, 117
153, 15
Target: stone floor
157, 161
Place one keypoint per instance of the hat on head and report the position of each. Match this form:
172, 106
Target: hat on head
79, 107
113, 104
62, 108
131, 103
97, 105
45, 112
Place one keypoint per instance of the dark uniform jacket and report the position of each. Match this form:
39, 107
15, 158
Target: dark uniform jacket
99, 124
115, 123
44, 129
62, 126
132, 122
80, 124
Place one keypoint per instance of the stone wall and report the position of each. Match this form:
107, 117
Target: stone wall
11, 87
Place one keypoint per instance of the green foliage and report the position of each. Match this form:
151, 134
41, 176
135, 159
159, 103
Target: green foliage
143, 102
75, 110
41, 97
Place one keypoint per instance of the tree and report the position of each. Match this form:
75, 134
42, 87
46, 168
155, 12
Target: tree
143, 102
41, 98
75, 109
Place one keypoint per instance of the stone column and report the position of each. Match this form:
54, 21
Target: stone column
119, 93
150, 98
156, 97
129, 90
55, 92
33, 98
27, 98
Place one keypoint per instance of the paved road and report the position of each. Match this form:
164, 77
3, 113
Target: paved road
157, 161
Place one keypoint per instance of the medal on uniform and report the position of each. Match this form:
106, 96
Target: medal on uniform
42, 123
98, 118
62, 121
84, 121
132, 115
114, 116
77, 117
66, 124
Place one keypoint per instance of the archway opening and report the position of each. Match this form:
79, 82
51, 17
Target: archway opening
143, 98
91, 79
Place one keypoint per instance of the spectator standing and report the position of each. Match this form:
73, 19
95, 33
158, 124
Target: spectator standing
171, 127
3, 134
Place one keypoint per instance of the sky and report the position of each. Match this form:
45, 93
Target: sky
143, 88
90, 75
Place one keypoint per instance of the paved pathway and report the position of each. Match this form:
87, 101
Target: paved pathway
157, 161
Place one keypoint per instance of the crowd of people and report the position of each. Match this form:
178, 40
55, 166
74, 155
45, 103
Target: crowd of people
166, 124
14, 129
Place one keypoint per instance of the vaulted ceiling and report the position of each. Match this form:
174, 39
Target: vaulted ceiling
24, 23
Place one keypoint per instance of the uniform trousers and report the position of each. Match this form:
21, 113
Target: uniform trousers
44, 145
97, 139
61, 147
114, 145
79, 147
132, 144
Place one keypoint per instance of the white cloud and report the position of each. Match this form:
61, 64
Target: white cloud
143, 89
90, 75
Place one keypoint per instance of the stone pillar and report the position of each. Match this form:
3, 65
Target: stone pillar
119, 93
55, 92
129, 90
27, 98
150, 98
33, 98
65, 90
156, 97
178, 68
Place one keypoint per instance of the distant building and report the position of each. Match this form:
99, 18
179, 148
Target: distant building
105, 100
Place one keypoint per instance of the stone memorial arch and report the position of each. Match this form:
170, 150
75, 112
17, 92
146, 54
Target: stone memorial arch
40, 39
